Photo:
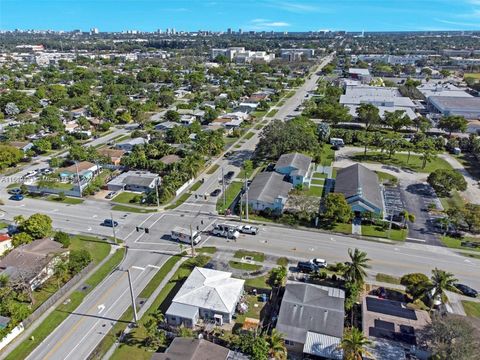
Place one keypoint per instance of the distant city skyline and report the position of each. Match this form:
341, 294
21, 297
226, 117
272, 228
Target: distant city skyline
258, 15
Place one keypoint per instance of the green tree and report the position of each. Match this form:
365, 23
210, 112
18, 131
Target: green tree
37, 226
9, 156
78, 259
453, 123
439, 282
413, 283
42, 145
21, 238
369, 115
278, 276
276, 343
336, 209
172, 115
422, 124
354, 344
63, 238
61, 273
356, 268
443, 181
397, 120
155, 337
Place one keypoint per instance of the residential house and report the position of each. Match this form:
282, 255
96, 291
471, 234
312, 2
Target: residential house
170, 159
85, 170
138, 181
296, 167
194, 349
311, 319
166, 125
5, 243
361, 189
33, 263
128, 145
268, 190
187, 120
114, 155
207, 294
22, 145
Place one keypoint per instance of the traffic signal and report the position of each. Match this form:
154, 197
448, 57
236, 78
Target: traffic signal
138, 229
147, 230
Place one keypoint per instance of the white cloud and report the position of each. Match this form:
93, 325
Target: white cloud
265, 24
459, 23
299, 8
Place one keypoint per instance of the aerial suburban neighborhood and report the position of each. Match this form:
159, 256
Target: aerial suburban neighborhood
275, 192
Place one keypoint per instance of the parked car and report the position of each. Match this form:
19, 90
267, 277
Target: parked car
306, 267
466, 290
229, 175
381, 293
321, 263
14, 191
109, 223
46, 171
249, 229
216, 192
226, 230
111, 195
17, 197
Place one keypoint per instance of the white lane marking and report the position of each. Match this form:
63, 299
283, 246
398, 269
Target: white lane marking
154, 266
415, 239
396, 249
89, 228
94, 216
467, 261
138, 268
101, 307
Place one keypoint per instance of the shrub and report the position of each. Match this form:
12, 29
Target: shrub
78, 260
63, 238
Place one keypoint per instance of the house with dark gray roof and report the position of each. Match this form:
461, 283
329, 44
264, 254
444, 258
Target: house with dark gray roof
296, 167
193, 349
311, 319
268, 190
361, 189
139, 181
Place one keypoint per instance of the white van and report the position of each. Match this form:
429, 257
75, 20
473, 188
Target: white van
337, 141
183, 235
226, 231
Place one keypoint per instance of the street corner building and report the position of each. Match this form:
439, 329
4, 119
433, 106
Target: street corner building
207, 294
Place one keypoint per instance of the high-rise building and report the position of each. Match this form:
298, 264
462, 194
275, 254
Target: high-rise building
240, 31
93, 31
229, 31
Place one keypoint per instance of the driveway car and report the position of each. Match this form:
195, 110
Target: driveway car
111, 195
229, 175
249, 229
17, 197
467, 290
216, 192
14, 191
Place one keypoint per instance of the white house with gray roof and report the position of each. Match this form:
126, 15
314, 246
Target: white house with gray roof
206, 294
129, 144
296, 167
311, 319
139, 181
268, 190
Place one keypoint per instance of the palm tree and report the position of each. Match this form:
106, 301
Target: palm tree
353, 345
439, 282
277, 345
355, 268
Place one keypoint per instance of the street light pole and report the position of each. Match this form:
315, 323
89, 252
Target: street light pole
246, 197
113, 228
156, 191
135, 316
223, 188
191, 241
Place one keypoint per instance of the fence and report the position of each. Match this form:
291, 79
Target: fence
54, 298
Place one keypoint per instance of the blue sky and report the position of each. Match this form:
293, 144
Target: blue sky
278, 15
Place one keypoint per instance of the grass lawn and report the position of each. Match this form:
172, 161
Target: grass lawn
207, 250
13, 185
314, 191
259, 282
290, 94
258, 127
415, 163
472, 75
243, 266
64, 310
258, 114
272, 113
230, 194
60, 185
471, 308
134, 349
179, 201
249, 135
126, 197
456, 243
342, 228
318, 181
3, 225
254, 309
384, 177
454, 201
196, 186
327, 155
376, 231
131, 209
212, 169
257, 256
282, 261
66, 200
387, 278
319, 175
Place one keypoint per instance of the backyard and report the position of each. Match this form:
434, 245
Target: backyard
377, 231
414, 163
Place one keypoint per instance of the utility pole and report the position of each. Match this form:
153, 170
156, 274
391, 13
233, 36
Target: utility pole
135, 317
78, 179
156, 191
223, 188
390, 225
246, 197
191, 241
113, 228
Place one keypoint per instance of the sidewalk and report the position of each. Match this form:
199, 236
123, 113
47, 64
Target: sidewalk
146, 305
